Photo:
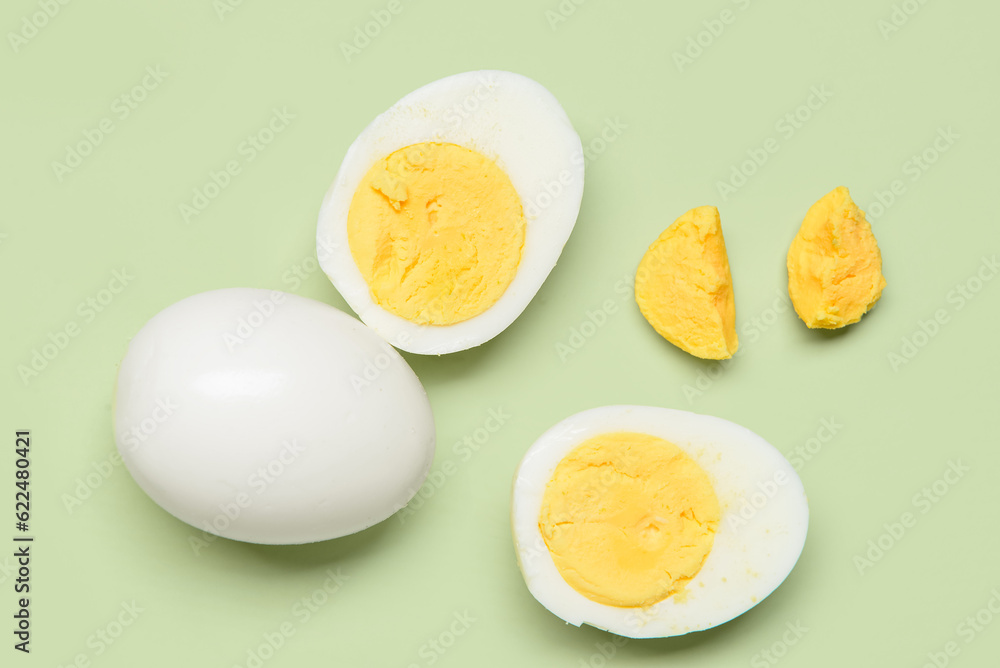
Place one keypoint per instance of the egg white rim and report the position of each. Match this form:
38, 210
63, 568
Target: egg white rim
505, 116
705, 438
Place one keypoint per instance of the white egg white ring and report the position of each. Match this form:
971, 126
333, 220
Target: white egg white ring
761, 534
505, 116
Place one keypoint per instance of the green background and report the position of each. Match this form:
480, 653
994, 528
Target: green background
687, 126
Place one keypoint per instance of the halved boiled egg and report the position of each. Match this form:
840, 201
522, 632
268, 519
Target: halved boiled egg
651, 522
451, 208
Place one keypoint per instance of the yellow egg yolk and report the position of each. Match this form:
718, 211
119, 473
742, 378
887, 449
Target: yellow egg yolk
629, 519
684, 288
834, 264
437, 231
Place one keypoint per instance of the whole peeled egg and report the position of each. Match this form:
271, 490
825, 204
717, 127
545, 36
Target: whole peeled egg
270, 418
650, 522
451, 208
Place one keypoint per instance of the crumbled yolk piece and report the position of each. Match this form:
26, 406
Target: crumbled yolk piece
684, 288
629, 519
834, 264
437, 231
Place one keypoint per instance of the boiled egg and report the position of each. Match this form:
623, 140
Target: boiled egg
451, 208
684, 287
270, 418
834, 264
650, 522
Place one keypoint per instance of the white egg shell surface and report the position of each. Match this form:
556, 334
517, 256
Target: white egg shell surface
761, 532
270, 418
505, 116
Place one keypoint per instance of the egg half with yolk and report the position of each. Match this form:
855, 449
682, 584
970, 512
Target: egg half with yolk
451, 208
650, 522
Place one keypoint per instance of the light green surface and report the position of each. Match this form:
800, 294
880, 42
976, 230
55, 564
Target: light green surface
685, 129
